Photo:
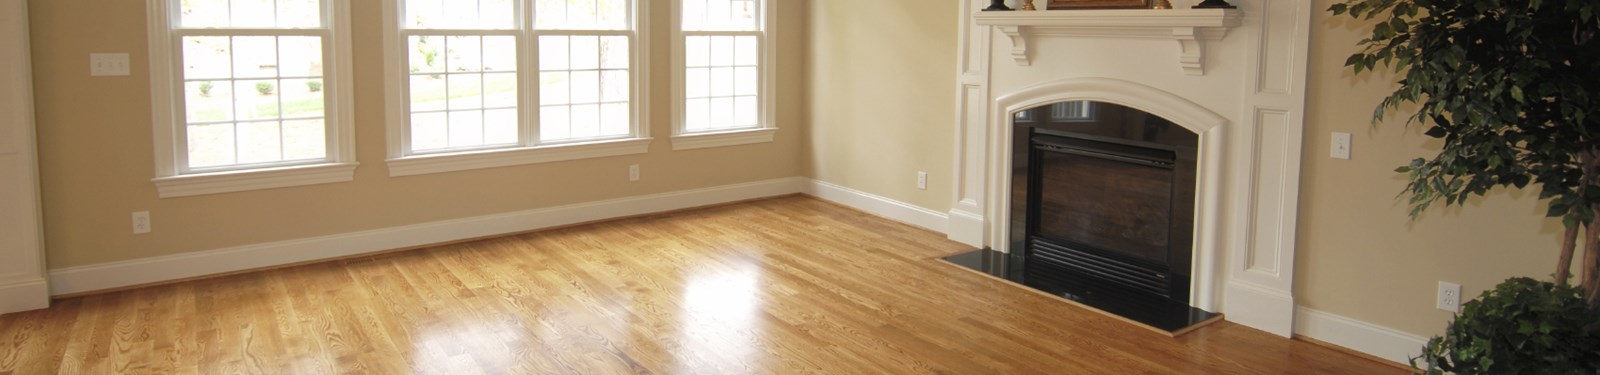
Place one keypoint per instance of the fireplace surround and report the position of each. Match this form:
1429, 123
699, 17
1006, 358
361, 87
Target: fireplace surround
1238, 84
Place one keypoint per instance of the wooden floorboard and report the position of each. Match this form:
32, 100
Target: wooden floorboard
787, 285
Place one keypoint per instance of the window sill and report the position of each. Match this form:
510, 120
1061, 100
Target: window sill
255, 179
463, 161
722, 139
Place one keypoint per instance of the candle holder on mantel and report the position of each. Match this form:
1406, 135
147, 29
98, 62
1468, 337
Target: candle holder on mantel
1028, 5
1162, 4
997, 5
1215, 4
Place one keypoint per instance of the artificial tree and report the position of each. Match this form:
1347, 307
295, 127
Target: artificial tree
1512, 87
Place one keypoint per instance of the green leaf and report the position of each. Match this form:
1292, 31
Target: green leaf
1516, 93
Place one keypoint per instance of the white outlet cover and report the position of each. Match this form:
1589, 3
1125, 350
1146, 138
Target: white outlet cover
1449, 297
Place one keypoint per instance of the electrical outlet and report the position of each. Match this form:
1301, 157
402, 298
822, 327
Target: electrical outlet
922, 180
141, 222
1341, 146
108, 64
1449, 297
633, 172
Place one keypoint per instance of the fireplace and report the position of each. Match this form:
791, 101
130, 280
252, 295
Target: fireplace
1104, 200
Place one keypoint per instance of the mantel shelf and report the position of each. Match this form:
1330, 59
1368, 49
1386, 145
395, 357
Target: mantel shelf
1191, 28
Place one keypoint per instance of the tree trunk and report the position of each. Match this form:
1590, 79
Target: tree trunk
1591, 248
1569, 244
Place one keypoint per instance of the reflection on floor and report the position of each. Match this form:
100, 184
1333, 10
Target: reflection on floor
786, 285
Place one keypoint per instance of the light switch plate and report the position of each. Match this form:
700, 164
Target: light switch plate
1341, 146
108, 64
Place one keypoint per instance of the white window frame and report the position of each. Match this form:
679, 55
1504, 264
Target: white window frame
682, 138
173, 178
403, 162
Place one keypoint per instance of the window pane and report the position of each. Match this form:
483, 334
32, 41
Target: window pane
698, 114
466, 128
555, 88
721, 113
585, 87
304, 139
721, 81
581, 14
614, 86
424, 14
210, 145
253, 13
299, 13
256, 99
722, 51
614, 119
206, 57
746, 51
427, 92
427, 53
498, 14
500, 53
746, 81
554, 123
466, 91
302, 98
463, 54
500, 126
429, 131
553, 51
585, 121
720, 15
259, 142
203, 13
208, 101
698, 82
500, 90
745, 112
614, 52
301, 56
255, 57
697, 51
585, 52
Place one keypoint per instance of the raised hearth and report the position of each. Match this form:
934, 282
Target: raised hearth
1159, 314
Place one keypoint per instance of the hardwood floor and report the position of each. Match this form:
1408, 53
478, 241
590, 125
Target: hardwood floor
787, 285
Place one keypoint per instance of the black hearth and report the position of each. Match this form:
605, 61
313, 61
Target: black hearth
1103, 204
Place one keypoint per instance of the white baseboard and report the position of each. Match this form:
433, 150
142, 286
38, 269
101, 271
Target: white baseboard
1382, 342
1259, 307
181, 266
878, 205
966, 227
24, 296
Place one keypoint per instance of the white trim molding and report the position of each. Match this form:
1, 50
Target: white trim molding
197, 264
22, 275
462, 161
879, 205
1379, 341
255, 179
1191, 28
695, 141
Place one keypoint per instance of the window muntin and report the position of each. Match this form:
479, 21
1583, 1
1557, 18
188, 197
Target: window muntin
252, 84
466, 88
723, 80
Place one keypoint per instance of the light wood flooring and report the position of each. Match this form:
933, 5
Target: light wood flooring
786, 285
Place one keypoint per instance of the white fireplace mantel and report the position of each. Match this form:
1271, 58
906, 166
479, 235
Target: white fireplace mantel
1191, 28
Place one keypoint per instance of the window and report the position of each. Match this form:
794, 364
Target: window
249, 94
488, 83
725, 60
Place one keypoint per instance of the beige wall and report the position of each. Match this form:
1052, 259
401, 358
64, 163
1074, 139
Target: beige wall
1359, 254
882, 97
96, 154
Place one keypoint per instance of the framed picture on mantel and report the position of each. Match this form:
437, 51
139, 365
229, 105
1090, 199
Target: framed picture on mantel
1099, 4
